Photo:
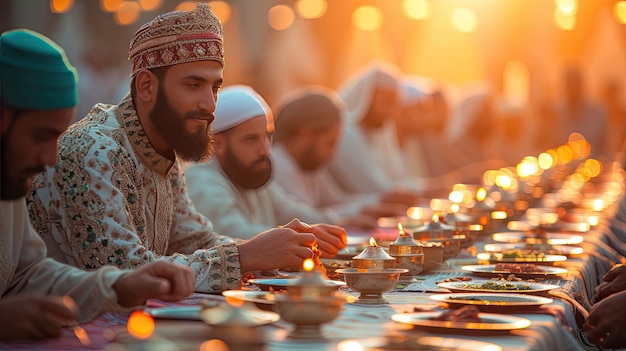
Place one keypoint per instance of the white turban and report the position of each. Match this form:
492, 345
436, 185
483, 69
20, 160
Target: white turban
237, 104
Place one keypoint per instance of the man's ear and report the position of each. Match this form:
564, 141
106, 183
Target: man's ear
146, 86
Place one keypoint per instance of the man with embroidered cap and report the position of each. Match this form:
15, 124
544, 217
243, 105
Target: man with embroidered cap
38, 294
235, 188
118, 197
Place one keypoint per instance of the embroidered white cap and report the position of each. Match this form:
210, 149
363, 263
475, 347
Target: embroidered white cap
237, 104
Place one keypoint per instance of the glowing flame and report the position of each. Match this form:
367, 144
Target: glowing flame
435, 218
593, 221
481, 194
373, 242
140, 325
400, 229
455, 208
598, 205
308, 265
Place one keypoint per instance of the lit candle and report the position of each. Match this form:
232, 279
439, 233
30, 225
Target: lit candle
373, 256
433, 230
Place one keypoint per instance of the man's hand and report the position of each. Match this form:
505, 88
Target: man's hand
29, 316
330, 238
275, 248
614, 281
607, 322
158, 280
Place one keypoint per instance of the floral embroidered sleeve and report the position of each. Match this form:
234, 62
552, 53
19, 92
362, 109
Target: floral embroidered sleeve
104, 207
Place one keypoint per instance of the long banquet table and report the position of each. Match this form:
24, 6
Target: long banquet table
553, 327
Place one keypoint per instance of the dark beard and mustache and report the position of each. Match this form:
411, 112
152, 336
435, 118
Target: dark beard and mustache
245, 176
195, 147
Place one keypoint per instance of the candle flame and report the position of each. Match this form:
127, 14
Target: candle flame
308, 265
455, 208
435, 217
481, 194
373, 242
400, 229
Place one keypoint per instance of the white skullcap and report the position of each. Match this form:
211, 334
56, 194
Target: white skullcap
237, 104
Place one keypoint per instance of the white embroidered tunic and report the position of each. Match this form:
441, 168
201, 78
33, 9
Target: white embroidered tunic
113, 200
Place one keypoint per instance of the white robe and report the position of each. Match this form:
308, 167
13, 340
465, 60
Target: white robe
316, 188
24, 268
244, 212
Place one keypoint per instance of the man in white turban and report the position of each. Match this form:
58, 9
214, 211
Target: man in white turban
235, 188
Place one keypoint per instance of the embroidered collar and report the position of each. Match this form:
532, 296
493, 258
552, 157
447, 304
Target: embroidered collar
127, 115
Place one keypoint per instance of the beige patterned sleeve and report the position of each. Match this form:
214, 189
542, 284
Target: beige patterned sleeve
99, 214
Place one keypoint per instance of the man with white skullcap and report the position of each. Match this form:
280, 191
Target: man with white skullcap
39, 296
235, 188
118, 197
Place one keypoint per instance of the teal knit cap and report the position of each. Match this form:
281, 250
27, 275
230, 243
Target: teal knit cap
35, 74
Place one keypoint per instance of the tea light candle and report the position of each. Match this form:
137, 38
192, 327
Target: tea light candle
433, 230
404, 244
373, 256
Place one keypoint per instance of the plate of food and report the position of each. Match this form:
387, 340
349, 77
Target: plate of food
493, 302
518, 256
498, 286
277, 284
534, 238
465, 318
511, 248
522, 270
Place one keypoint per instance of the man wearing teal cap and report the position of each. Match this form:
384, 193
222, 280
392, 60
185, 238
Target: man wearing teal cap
38, 296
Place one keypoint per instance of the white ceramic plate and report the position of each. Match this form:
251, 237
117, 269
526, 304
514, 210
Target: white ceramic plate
179, 312
490, 270
498, 286
493, 301
549, 238
250, 296
566, 250
405, 342
489, 321
497, 257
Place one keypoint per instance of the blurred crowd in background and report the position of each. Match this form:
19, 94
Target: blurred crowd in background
497, 79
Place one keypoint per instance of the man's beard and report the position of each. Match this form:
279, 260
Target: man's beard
245, 176
196, 147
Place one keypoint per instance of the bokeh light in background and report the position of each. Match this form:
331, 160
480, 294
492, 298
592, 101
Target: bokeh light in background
416, 9
280, 17
619, 9
127, 13
150, 5
464, 20
61, 6
367, 18
110, 5
140, 325
311, 9
214, 345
